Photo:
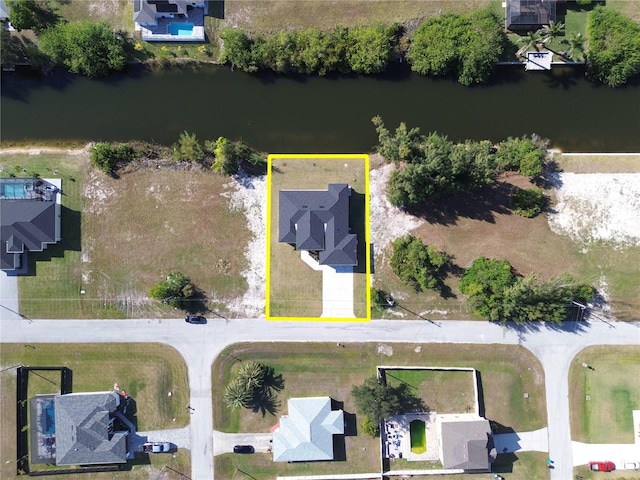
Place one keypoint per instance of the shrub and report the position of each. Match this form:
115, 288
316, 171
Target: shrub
467, 45
108, 157
417, 264
484, 283
176, 290
370, 428
528, 202
86, 48
614, 47
188, 148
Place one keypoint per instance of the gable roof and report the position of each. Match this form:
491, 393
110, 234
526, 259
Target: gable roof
306, 434
529, 14
145, 11
319, 220
465, 442
82, 429
29, 218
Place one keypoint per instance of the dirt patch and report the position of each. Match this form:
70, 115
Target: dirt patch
249, 195
597, 207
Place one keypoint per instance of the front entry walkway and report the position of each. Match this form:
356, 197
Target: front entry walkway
337, 288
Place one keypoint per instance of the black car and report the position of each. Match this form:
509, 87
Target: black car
243, 449
197, 319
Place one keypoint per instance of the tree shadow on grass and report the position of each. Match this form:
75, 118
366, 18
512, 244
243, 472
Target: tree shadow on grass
481, 204
265, 399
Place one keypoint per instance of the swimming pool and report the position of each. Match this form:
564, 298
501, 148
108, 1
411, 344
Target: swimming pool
418, 432
15, 188
181, 29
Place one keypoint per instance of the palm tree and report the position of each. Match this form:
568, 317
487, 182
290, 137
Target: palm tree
252, 374
532, 40
551, 31
237, 394
574, 44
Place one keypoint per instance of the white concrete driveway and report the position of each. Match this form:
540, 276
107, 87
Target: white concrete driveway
535, 441
224, 442
337, 288
9, 306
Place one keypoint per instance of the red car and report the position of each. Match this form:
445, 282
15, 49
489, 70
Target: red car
601, 466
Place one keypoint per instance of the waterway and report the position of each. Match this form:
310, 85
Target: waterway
287, 114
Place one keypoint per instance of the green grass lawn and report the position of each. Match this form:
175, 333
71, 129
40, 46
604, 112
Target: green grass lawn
296, 289
315, 369
115, 258
614, 392
146, 371
443, 391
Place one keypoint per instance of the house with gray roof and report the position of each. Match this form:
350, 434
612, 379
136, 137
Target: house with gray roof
306, 433
84, 429
465, 442
318, 221
529, 15
30, 213
170, 20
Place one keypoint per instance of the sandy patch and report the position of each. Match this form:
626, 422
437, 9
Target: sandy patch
387, 222
598, 207
97, 192
250, 195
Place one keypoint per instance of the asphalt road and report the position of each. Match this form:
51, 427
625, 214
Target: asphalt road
554, 346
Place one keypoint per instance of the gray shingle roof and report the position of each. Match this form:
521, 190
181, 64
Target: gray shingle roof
465, 444
26, 224
529, 14
306, 434
82, 430
319, 220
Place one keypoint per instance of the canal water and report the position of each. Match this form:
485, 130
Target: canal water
287, 114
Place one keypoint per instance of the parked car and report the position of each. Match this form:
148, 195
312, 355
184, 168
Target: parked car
157, 447
243, 449
630, 465
196, 319
602, 466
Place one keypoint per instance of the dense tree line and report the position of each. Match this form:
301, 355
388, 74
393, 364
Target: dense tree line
311, 51
468, 46
431, 166
614, 47
87, 48
496, 292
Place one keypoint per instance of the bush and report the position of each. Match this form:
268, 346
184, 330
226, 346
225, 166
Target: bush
188, 148
176, 290
108, 157
417, 264
614, 47
229, 156
370, 428
467, 45
528, 202
484, 283
86, 48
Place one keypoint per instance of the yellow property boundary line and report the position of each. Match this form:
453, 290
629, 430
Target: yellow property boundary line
320, 156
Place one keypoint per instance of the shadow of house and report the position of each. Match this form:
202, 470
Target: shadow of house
30, 213
309, 432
